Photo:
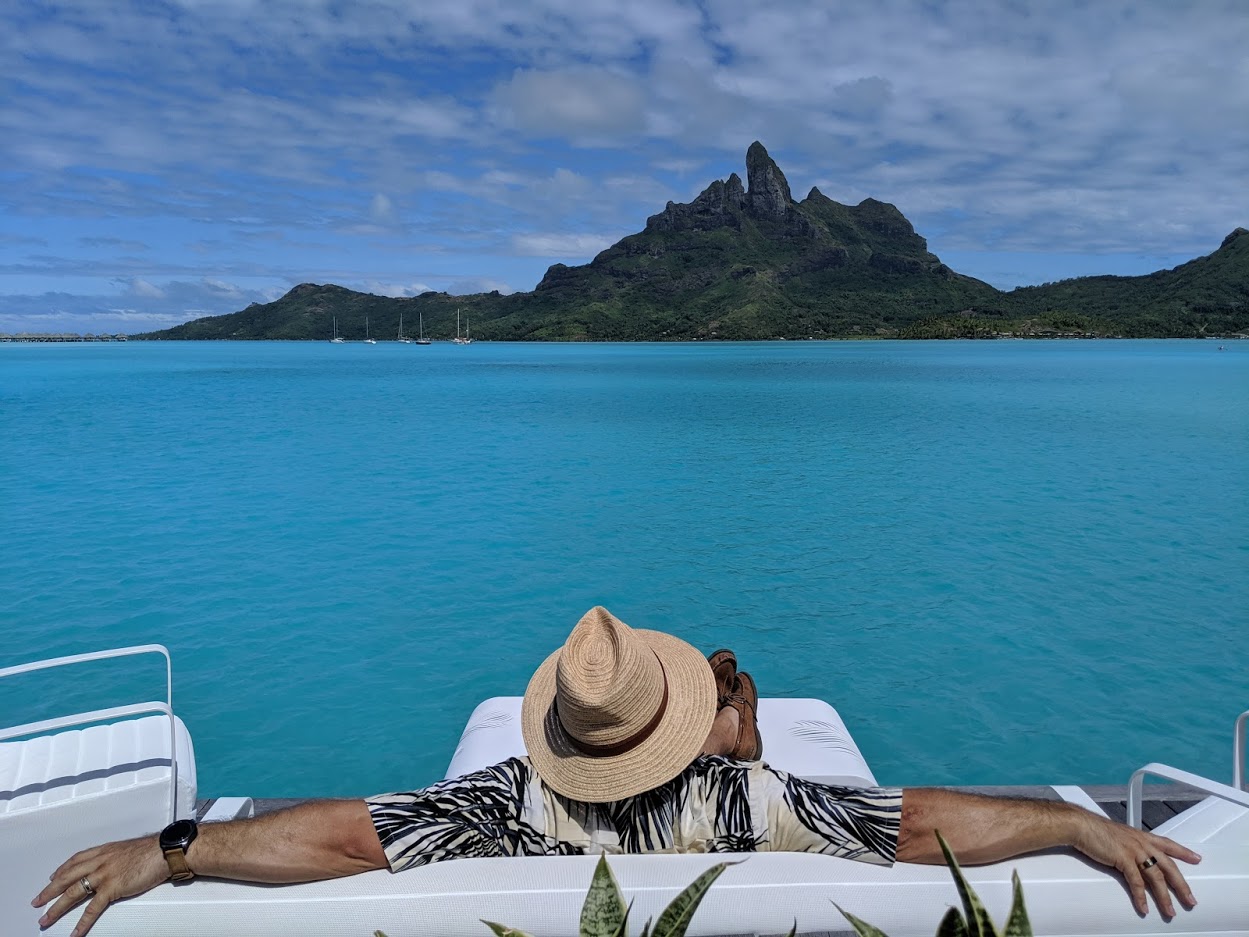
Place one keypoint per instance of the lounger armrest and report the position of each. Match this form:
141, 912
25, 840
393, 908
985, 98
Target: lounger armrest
1136, 788
1238, 751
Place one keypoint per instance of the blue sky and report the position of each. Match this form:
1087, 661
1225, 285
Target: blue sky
161, 161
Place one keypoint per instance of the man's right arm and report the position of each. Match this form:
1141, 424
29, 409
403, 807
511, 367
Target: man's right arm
309, 842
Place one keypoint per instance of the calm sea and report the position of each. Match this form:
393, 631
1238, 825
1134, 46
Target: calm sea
1003, 562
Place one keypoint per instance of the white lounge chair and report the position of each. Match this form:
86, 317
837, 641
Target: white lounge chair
77, 781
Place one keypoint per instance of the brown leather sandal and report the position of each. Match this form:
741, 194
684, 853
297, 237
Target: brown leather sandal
745, 699
724, 665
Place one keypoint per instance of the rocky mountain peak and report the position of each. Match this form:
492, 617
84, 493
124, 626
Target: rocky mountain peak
767, 191
1238, 233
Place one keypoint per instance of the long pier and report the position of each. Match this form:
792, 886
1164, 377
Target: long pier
26, 337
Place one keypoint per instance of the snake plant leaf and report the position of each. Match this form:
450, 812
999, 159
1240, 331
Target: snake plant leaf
979, 924
604, 911
646, 928
1017, 924
861, 927
502, 930
952, 925
676, 917
793, 931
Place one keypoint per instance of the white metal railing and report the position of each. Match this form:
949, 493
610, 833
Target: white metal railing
1136, 788
1238, 751
102, 715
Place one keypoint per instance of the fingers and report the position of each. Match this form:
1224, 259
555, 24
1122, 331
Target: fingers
1173, 879
68, 900
1174, 849
1136, 887
73, 895
73, 869
70, 897
1156, 882
89, 916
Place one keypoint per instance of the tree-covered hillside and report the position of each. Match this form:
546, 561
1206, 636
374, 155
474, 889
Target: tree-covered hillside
749, 262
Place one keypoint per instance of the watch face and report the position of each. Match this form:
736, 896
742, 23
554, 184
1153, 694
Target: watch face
178, 833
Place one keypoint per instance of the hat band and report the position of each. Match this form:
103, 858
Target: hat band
634, 740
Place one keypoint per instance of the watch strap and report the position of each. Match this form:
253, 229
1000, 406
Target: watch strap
175, 856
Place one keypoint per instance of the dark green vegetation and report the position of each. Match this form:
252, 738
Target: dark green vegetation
749, 262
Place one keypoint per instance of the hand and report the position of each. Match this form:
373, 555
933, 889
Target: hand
1128, 849
115, 871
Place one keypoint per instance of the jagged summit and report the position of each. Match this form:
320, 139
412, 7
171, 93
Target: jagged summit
767, 190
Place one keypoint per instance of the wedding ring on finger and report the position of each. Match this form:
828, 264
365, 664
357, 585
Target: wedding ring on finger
1149, 863
87, 886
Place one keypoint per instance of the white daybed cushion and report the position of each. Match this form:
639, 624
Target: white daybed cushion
805, 737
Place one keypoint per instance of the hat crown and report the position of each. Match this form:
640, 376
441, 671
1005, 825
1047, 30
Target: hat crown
609, 685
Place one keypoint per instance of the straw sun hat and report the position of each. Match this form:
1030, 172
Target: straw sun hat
616, 711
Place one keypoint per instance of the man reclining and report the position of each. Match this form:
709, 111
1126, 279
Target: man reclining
634, 745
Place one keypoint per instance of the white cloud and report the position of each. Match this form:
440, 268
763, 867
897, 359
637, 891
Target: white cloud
470, 285
379, 288
578, 104
381, 209
562, 246
1119, 126
141, 287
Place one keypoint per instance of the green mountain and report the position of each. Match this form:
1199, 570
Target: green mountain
748, 262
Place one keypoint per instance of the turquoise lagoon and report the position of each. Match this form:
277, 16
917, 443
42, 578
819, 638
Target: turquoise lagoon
1004, 562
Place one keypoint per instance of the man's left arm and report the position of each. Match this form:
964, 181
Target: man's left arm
989, 829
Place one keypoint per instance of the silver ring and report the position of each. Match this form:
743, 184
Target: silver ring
86, 885
1149, 863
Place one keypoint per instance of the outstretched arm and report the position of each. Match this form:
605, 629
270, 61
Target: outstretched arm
990, 829
318, 840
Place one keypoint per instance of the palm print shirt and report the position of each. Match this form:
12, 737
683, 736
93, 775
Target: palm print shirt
717, 804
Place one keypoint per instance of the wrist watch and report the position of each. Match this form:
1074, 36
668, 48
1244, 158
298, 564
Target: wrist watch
174, 841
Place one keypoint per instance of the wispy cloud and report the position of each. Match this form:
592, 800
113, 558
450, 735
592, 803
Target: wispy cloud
461, 141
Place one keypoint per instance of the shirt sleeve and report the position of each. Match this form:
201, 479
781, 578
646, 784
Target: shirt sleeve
486, 813
850, 822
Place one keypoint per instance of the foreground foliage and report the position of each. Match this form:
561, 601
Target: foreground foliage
974, 920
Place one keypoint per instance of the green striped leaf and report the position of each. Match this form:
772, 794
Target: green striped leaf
604, 913
952, 925
676, 917
861, 927
979, 924
1017, 924
502, 930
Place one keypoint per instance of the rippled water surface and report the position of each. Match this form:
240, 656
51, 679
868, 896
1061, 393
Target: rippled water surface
1006, 562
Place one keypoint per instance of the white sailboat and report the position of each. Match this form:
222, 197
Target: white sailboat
461, 340
336, 339
406, 341
422, 340
367, 340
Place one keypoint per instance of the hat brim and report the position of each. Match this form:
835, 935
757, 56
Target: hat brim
677, 739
